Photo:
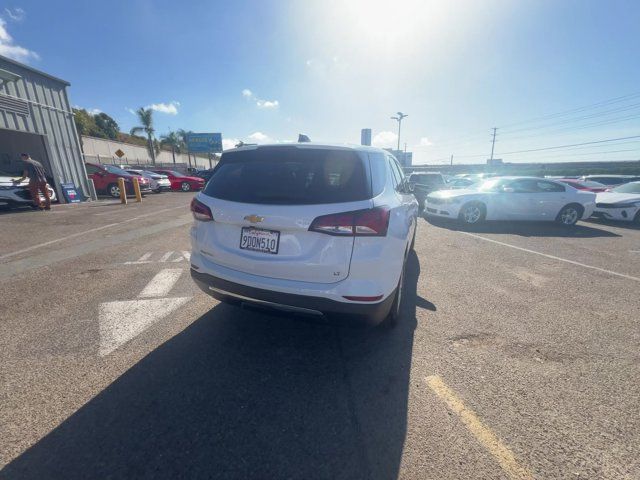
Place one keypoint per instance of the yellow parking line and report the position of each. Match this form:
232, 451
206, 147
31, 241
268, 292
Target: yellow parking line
485, 436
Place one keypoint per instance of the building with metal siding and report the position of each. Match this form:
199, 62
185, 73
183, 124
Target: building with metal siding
36, 118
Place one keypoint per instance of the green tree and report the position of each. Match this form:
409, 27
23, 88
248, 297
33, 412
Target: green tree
145, 116
86, 124
173, 140
107, 125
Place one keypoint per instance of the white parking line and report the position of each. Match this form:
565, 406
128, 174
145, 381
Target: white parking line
91, 230
572, 262
122, 321
162, 283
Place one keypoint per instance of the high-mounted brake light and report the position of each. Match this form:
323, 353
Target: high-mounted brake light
200, 211
372, 222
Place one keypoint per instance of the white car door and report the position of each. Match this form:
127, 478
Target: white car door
408, 204
549, 199
516, 200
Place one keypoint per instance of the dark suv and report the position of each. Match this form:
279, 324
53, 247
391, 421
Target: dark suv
424, 183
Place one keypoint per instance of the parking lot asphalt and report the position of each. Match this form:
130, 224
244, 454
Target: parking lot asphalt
516, 357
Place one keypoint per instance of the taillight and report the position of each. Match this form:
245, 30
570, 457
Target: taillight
372, 222
200, 211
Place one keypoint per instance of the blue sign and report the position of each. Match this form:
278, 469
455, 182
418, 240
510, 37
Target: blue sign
70, 193
204, 142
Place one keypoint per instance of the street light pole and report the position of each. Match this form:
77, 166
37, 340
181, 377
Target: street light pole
399, 120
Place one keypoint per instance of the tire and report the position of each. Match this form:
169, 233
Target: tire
569, 215
113, 190
413, 240
157, 190
396, 308
472, 213
636, 219
185, 187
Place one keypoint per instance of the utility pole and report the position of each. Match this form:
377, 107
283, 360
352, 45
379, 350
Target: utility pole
399, 120
493, 142
452, 159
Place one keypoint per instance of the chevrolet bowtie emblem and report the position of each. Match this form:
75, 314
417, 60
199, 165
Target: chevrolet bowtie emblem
254, 218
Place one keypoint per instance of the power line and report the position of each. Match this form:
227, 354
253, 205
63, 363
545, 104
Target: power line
570, 145
574, 110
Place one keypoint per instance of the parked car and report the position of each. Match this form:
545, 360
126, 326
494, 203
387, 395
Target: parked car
513, 198
611, 180
18, 194
588, 185
157, 181
306, 228
620, 203
105, 179
204, 174
460, 182
424, 183
180, 181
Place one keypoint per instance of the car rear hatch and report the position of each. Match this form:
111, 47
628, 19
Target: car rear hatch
264, 200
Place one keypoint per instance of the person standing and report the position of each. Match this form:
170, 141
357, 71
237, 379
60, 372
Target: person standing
37, 181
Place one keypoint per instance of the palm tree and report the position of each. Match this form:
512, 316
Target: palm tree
145, 115
173, 140
183, 136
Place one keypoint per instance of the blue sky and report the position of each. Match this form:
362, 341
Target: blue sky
268, 70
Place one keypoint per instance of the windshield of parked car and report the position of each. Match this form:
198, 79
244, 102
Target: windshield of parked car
633, 187
116, 170
590, 184
427, 178
289, 176
170, 172
491, 185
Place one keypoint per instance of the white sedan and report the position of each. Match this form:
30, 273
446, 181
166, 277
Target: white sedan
620, 203
513, 198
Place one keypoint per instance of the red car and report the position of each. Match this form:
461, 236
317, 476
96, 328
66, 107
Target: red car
105, 179
180, 181
587, 185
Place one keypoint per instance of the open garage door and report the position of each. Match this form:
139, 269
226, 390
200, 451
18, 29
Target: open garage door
13, 143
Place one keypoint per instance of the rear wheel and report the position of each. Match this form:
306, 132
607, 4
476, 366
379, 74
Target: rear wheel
185, 187
636, 219
472, 213
394, 315
569, 215
413, 240
114, 190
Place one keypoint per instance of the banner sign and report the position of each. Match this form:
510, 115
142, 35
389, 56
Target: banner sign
204, 142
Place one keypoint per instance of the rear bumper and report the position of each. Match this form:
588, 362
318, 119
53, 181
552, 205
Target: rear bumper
228, 291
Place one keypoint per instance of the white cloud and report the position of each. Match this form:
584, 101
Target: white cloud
10, 49
425, 142
228, 143
170, 108
15, 14
267, 103
385, 139
130, 110
258, 137
260, 103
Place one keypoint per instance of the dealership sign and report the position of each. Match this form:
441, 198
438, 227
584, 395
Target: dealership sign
204, 142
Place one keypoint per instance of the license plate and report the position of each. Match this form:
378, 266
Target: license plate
260, 240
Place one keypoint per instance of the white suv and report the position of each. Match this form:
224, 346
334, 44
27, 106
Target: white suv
305, 228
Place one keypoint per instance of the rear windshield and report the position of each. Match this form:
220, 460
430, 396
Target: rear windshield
289, 176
